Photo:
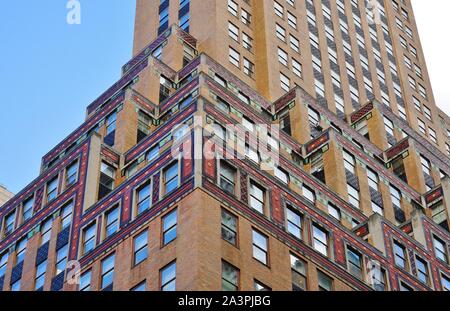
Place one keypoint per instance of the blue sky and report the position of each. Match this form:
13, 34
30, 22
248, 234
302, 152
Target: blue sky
50, 71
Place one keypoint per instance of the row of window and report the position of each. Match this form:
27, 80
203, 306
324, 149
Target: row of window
26, 209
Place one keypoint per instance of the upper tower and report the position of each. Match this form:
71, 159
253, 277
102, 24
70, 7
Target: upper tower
342, 52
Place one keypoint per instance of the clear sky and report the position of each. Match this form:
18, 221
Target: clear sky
50, 71
433, 23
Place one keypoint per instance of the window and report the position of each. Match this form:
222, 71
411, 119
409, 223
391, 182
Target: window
440, 249
320, 240
168, 277
354, 262
260, 287
153, 153
171, 178
279, 10
107, 177
257, 197
234, 57
260, 247
71, 174
227, 177
353, 196
27, 209
445, 283
143, 198
85, 281
21, 248
9, 223
3, 263
349, 162
282, 57
61, 259
15, 287
373, 179
426, 166
294, 223
246, 18
163, 20
111, 123
66, 215
247, 42
108, 271
325, 283
229, 227
89, 238
140, 243
400, 255
249, 68
230, 277
139, 288
169, 223
40, 275
46, 230
405, 288
281, 174
422, 270
281, 33
285, 82
52, 189
334, 212
232, 7
112, 221
308, 194
298, 272
395, 196
233, 31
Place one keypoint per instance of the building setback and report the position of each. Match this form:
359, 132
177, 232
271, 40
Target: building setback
360, 196
5, 195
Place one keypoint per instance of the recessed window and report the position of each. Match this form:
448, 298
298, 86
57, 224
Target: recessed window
257, 197
112, 221
294, 222
108, 271
227, 177
260, 247
230, 277
169, 223
298, 272
422, 270
61, 259
9, 223
261, 287
400, 255
440, 249
89, 238
168, 277
355, 263
21, 248
143, 198
27, 209
3, 263
46, 230
325, 283
171, 181
229, 227
85, 281
71, 174
66, 215
140, 243
320, 240
52, 189
107, 178
40, 275
139, 288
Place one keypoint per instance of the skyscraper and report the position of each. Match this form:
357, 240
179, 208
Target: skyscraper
248, 145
